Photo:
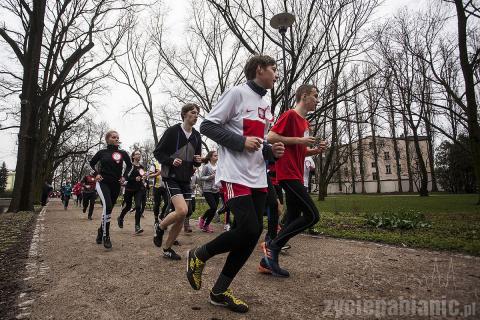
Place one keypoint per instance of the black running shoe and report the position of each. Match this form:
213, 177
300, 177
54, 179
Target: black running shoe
271, 259
157, 239
106, 242
176, 243
90, 218
228, 300
138, 230
194, 269
120, 222
99, 236
84, 210
170, 254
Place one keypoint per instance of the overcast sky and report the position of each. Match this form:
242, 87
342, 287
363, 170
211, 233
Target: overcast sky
118, 100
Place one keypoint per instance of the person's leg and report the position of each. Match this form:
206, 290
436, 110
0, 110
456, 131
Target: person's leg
104, 192
157, 198
191, 210
298, 201
138, 210
127, 201
166, 202
67, 199
91, 199
175, 219
210, 198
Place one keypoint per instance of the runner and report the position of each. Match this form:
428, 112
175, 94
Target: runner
308, 170
77, 191
159, 192
178, 151
210, 190
134, 191
238, 124
292, 129
89, 193
66, 193
109, 180
46, 191
191, 208
224, 209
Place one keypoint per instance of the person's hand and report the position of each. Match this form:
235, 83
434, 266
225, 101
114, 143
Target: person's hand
122, 180
278, 149
98, 178
197, 158
253, 144
177, 162
139, 178
307, 141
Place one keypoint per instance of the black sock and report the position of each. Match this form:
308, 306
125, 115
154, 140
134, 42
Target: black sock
222, 284
202, 253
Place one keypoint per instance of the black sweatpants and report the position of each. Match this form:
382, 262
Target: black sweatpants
66, 199
301, 212
137, 196
108, 193
89, 201
271, 211
241, 240
212, 199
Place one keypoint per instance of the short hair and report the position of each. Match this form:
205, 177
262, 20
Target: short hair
189, 107
109, 134
304, 89
252, 64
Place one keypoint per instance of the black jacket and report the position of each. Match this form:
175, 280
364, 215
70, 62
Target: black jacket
132, 183
110, 163
174, 144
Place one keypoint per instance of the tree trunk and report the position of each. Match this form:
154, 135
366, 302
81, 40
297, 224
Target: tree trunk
407, 153
395, 142
360, 148
472, 110
25, 169
350, 151
375, 151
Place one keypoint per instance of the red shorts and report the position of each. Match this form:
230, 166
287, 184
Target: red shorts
233, 190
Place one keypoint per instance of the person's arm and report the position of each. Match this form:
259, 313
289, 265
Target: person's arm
206, 174
154, 172
161, 150
128, 163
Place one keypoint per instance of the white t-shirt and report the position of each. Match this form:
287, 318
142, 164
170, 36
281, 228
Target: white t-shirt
242, 111
308, 165
187, 134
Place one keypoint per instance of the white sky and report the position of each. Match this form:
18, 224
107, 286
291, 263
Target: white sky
135, 127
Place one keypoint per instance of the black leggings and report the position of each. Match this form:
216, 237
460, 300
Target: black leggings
212, 201
158, 195
271, 211
224, 209
66, 199
298, 201
108, 193
89, 201
128, 197
241, 240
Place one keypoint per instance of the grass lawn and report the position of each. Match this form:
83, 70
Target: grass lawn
454, 219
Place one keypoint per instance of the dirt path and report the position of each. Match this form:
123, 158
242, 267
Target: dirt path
74, 278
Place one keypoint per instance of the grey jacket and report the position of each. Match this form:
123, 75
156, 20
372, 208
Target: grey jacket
208, 179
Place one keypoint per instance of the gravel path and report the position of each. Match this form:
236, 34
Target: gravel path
74, 278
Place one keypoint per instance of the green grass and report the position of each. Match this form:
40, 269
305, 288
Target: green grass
454, 219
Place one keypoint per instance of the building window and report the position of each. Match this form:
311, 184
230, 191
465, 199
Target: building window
374, 176
386, 155
373, 164
388, 169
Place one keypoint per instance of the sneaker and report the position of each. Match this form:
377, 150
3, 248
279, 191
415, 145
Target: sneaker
201, 222
286, 247
226, 227
120, 222
187, 229
194, 269
271, 260
228, 300
90, 218
170, 254
138, 230
176, 243
207, 229
157, 239
84, 210
99, 236
263, 267
106, 242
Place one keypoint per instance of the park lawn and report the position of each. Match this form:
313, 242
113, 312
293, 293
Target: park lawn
454, 219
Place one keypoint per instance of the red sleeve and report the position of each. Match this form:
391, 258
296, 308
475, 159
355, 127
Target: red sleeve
282, 126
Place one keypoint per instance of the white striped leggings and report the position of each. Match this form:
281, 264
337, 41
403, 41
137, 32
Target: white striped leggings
108, 193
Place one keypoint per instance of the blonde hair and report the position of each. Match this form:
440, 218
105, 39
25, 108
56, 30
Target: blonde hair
109, 134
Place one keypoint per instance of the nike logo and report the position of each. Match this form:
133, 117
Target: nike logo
249, 110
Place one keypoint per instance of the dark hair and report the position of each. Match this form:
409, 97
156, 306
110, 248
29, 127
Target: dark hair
252, 64
189, 107
133, 153
304, 89
209, 156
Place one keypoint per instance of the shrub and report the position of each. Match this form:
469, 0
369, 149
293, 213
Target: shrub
401, 219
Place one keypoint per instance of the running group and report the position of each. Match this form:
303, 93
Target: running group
255, 160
